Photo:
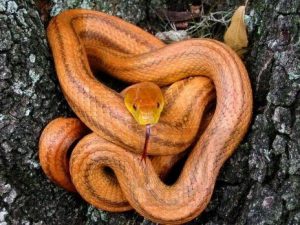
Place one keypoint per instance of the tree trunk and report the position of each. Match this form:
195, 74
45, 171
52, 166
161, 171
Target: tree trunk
259, 184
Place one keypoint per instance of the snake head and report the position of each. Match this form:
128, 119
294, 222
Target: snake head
145, 102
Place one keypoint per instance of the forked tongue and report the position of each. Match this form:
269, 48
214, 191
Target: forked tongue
147, 137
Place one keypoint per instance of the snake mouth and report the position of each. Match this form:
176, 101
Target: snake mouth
148, 118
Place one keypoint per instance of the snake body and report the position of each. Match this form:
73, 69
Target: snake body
80, 38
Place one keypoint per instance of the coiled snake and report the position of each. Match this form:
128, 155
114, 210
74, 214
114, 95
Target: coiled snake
80, 38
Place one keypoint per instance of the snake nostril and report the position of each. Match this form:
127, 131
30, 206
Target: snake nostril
134, 107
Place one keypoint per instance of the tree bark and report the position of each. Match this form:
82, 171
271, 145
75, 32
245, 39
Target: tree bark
259, 184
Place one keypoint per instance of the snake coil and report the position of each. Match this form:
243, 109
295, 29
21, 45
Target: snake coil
105, 167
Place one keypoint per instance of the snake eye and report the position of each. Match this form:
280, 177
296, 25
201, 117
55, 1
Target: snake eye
134, 107
157, 105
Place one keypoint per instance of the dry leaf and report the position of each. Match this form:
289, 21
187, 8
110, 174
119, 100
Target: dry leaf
236, 34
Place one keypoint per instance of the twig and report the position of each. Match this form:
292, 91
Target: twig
207, 21
263, 69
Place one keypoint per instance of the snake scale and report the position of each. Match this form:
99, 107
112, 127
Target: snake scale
105, 167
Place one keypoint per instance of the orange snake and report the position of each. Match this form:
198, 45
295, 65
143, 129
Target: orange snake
80, 38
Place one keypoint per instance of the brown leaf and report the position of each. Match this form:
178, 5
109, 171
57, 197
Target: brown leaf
236, 34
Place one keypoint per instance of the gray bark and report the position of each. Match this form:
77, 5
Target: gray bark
260, 183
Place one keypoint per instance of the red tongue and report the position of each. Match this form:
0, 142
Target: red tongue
148, 132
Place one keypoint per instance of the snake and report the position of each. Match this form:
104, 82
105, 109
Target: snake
104, 166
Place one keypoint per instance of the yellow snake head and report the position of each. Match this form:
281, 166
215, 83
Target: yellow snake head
145, 102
